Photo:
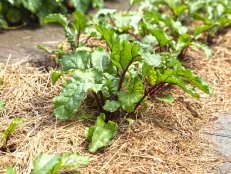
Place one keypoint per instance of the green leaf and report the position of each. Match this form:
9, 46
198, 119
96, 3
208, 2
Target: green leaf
79, 59
161, 37
123, 54
176, 74
200, 29
53, 163
127, 55
195, 80
97, 3
102, 134
70, 160
166, 98
184, 41
177, 80
10, 170
45, 163
80, 21
2, 106
111, 106
149, 73
81, 5
56, 18
10, 130
109, 36
127, 100
151, 59
100, 60
73, 94
32, 5
55, 76
70, 37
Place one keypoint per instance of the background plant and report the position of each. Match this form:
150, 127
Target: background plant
23, 11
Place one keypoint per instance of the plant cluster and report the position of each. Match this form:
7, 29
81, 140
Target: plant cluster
18, 12
139, 54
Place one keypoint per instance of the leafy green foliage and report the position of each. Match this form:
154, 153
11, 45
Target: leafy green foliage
100, 134
10, 130
53, 163
75, 91
26, 11
138, 54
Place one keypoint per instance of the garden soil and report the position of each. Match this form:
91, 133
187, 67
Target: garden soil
166, 138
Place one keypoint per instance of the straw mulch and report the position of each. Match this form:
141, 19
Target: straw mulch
167, 138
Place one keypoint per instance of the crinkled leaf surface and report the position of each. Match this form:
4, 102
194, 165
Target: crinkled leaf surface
151, 59
160, 36
102, 133
79, 59
111, 106
123, 54
45, 163
127, 100
70, 160
100, 60
53, 163
73, 94
182, 77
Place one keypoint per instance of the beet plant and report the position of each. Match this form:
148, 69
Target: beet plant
120, 77
138, 54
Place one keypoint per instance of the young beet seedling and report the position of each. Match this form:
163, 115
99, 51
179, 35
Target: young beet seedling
8, 132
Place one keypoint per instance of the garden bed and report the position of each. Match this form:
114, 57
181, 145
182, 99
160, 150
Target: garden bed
166, 138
